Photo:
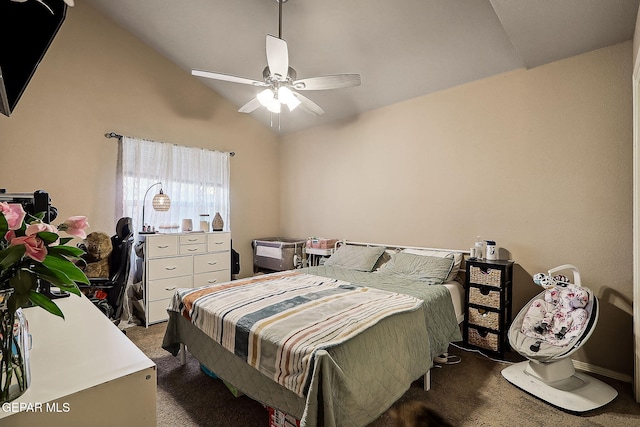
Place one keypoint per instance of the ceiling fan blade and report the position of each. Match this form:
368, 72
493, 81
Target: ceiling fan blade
335, 81
308, 105
277, 57
227, 78
250, 106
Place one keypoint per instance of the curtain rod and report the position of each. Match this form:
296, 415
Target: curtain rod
118, 136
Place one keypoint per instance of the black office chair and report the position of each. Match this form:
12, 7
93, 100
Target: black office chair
119, 266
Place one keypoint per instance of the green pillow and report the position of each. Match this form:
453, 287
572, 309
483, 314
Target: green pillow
429, 269
361, 258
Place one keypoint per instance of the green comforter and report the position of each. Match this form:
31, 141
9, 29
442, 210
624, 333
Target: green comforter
439, 312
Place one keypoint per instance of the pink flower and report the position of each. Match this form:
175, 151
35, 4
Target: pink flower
38, 227
75, 226
13, 213
35, 247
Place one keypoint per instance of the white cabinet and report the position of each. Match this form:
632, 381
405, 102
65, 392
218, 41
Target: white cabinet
186, 260
84, 372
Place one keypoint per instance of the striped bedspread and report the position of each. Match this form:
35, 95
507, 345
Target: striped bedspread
276, 322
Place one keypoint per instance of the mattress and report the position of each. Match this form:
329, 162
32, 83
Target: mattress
456, 290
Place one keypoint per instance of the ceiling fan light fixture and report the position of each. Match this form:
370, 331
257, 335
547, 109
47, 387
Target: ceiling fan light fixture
265, 97
274, 106
285, 95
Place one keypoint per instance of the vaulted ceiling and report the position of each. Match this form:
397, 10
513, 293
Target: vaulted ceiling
402, 49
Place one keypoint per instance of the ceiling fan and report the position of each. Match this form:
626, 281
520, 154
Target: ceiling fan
280, 81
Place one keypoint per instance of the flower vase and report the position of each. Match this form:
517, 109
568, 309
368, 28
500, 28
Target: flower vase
217, 223
15, 342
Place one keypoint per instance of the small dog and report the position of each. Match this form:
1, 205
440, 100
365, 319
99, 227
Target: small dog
417, 414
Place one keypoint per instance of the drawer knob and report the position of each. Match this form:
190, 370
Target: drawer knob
193, 240
212, 262
170, 268
173, 288
162, 246
218, 243
192, 249
212, 281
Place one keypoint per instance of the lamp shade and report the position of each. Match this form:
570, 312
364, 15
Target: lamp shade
161, 202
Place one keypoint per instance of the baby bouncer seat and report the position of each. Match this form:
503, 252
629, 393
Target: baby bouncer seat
551, 327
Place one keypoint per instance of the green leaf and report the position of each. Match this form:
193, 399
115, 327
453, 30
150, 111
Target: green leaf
74, 289
4, 226
44, 302
69, 251
48, 237
35, 217
56, 277
11, 255
60, 273
23, 282
65, 240
17, 300
63, 265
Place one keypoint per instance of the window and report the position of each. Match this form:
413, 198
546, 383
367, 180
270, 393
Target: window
196, 180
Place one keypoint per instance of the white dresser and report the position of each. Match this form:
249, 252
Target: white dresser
183, 260
84, 372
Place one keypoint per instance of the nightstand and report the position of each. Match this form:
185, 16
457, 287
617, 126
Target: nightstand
488, 305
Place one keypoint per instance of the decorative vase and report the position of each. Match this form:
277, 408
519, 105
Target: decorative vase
217, 224
15, 342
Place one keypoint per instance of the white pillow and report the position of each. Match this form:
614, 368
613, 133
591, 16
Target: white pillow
457, 259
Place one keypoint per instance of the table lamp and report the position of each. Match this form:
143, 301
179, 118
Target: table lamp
161, 202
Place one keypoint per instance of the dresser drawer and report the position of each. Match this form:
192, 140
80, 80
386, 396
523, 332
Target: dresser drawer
483, 317
218, 242
211, 262
162, 268
193, 249
485, 295
211, 278
165, 288
485, 276
192, 239
157, 311
157, 246
483, 339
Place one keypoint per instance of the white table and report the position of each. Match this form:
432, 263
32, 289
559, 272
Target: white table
84, 372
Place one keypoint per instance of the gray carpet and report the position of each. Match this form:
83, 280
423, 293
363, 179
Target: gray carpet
471, 393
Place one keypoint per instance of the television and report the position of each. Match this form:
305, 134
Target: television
29, 28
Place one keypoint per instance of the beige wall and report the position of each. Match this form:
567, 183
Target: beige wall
98, 78
539, 160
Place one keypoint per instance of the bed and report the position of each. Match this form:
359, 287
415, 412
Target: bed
386, 313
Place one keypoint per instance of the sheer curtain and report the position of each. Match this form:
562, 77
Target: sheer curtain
195, 179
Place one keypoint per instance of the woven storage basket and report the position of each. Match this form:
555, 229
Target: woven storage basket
484, 296
482, 317
488, 341
491, 277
